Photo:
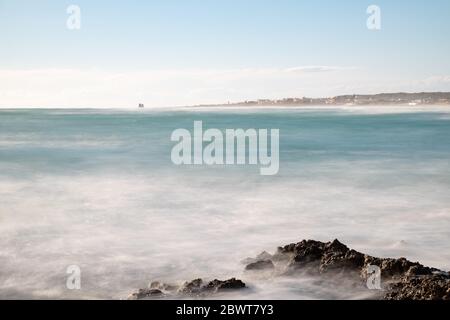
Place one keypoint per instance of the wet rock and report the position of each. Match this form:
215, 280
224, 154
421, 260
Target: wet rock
392, 269
231, 284
405, 279
429, 287
260, 265
146, 294
322, 257
195, 288
338, 256
397, 267
192, 287
401, 278
306, 254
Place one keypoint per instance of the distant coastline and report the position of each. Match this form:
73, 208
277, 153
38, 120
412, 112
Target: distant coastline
399, 98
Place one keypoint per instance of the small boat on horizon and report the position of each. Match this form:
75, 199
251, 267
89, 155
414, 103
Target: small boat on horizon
141, 105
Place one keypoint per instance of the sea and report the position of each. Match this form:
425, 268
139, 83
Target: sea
96, 189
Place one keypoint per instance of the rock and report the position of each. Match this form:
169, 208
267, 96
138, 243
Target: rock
192, 287
396, 268
418, 270
430, 287
322, 257
338, 256
336, 246
260, 265
406, 280
334, 256
306, 254
401, 279
189, 288
145, 294
231, 284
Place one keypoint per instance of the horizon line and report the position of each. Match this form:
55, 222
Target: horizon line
234, 103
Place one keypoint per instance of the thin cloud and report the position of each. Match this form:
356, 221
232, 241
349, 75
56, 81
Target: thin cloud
159, 88
313, 69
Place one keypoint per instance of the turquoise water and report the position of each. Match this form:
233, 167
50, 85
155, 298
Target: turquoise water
97, 188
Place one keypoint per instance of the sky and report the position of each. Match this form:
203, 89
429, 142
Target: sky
187, 52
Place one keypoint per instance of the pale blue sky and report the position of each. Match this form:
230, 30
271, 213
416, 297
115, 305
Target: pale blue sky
193, 51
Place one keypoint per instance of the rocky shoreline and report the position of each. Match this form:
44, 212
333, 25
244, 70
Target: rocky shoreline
390, 279
389, 99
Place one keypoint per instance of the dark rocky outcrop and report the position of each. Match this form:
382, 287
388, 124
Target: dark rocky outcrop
425, 287
322, 257
404, 279
146, 294
193, 288
231, 284
401, 279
